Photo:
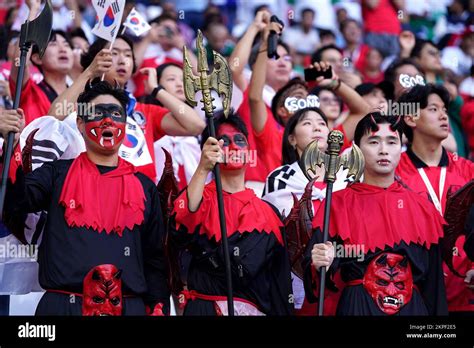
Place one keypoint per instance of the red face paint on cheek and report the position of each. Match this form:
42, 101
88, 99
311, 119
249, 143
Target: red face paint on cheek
106, 133
235, 155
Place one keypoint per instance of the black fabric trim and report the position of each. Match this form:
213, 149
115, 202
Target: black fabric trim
418, 163
48, 90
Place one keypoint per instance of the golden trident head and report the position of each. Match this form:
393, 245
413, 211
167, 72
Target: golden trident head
219, 80
312, 156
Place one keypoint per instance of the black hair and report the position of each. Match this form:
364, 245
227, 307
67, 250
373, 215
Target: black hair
52, 38
163, 17
345, 22
161, 68
259, 8
419, 95
98, 45
419, 44
326, 32
293, 83
307, 9
78, 32
211, 21
391, 75
289, 154
369, 123
256, 48
96, 88
318, 54
219, 119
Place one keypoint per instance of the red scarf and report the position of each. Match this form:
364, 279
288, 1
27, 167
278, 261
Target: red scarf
244, 212
386, 217
112, 201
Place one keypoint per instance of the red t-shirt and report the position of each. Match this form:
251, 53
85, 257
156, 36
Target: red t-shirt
375, 80
459, 171
153, 116
382, 19
269, 143
34, 101
359, 56
260, 171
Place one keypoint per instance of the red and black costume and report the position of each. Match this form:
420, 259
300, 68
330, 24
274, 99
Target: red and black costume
457, 172
259, 260
387, 251
98, 217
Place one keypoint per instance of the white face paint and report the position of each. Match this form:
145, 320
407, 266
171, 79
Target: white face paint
407, 81
293, 104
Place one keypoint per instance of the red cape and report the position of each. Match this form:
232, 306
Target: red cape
375, 217
244, 212
112, 201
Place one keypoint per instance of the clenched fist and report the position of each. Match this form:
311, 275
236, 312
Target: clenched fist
212, 153
322, 255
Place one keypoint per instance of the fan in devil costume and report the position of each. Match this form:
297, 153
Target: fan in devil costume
398, 230
103, 240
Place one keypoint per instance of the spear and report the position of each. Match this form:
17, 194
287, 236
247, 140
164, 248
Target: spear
311, 157
36, 32
220, 81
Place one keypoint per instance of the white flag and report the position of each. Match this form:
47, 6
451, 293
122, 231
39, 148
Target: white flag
136, 23
109, 18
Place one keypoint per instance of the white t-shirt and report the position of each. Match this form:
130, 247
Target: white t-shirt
300, 41
455, 59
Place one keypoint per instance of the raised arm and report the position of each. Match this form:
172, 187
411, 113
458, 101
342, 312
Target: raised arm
358, 107
182, 119
65, 103
35, 9
240, 56
212, 153
258, 110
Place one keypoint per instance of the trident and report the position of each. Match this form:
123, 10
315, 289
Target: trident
36, 31
311, 157
220, 81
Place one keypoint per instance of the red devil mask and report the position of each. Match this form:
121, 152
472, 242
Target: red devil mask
388, 280
105, 125
236, 148
102, 294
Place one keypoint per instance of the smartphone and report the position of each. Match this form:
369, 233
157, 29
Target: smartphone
311, 74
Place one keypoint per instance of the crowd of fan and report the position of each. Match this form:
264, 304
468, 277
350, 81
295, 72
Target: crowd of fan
368, 43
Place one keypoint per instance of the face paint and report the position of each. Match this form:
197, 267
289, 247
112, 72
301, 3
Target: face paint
235, 147
105, 125
389, 281
102, 291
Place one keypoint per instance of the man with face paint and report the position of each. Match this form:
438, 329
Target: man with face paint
103, 228
399, 270
259, 261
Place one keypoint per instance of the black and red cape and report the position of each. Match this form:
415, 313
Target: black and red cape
387, 251
259, 260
